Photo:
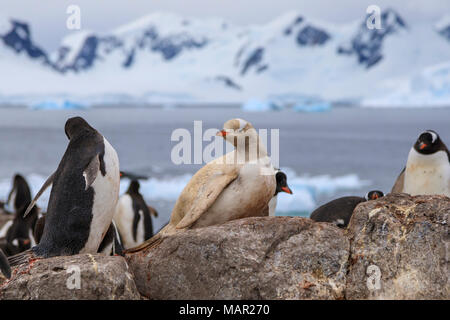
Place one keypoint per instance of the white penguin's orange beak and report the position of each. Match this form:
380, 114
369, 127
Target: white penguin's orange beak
221, 133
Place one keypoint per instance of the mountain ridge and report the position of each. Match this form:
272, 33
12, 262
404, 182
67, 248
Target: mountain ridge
214, 60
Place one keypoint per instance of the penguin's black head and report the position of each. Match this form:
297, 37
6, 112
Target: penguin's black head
374, 195
429, 142
19, 179
76, 126
134, 187
282, 185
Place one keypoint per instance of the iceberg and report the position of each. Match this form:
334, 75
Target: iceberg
254, 105
57, 105
320, 106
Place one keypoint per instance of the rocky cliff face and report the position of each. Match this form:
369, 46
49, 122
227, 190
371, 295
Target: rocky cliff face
396, 247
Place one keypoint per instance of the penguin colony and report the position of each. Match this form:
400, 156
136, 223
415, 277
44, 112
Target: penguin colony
86, 215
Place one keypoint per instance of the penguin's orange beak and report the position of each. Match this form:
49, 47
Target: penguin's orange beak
286, 189
423, 146
221, 133
374, 197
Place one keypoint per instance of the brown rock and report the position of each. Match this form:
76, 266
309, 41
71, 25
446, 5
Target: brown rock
101, 277
406, 240
253, 258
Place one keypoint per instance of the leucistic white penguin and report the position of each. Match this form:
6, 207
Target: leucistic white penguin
427, 170
237, 185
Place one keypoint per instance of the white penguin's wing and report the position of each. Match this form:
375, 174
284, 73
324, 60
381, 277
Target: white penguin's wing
207, 194
91, 171
44, 187
399, 183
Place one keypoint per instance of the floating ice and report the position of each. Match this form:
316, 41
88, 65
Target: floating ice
254, 105
57, 105
305, 189
319, 106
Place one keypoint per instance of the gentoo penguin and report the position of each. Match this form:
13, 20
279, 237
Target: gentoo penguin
237, 185
19, 236
427, 170
20, 194
282, 186
339, 211
83, 196
132, 217
19, 233
4, 265
110, 245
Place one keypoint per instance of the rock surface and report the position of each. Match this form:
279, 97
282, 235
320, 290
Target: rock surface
396, 247
401, 245
100, 277
254, 258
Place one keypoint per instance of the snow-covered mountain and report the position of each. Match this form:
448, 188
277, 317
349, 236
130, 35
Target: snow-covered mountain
166, 57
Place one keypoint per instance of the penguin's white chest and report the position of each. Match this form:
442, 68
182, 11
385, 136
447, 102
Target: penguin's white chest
124, 218
106, 193
427, 174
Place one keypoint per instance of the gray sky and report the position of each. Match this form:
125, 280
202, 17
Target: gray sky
48, 17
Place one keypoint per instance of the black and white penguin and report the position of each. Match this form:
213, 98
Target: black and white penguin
110, 245
427, 170
133, 217
19, 232
20, 194
282, 186
4, 265
19, 236
339, 211
83, 196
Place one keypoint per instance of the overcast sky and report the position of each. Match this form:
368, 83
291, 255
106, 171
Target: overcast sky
48, 17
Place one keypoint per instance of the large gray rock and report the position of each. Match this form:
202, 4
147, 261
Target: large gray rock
253, 258
400, 244
100, 277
